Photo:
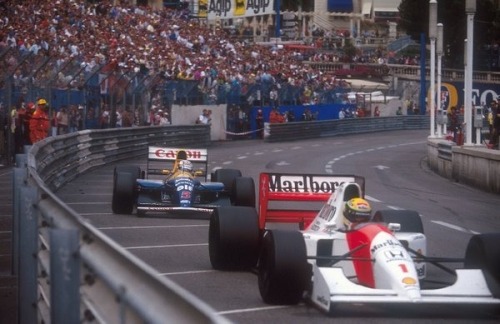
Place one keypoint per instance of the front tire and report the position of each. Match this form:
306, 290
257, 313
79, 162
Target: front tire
227, 177
483, 253
244, 192
283, 271
233, 238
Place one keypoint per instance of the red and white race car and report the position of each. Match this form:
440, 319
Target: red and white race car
380, 261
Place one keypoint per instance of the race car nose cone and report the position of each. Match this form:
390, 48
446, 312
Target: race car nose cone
414, 295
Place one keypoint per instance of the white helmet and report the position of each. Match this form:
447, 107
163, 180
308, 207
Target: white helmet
185, 165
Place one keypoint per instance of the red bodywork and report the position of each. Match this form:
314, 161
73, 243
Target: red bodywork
359, 241
282, 215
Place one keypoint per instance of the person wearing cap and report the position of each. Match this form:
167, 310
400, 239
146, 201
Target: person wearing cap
39, 122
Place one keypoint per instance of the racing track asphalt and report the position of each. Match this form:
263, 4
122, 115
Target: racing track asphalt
394, 165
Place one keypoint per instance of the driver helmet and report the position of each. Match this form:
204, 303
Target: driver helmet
357, 210
186, 166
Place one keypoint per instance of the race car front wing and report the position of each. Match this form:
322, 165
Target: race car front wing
332, 287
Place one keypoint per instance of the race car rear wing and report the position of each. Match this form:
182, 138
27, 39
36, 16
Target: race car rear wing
163, 160
276, 189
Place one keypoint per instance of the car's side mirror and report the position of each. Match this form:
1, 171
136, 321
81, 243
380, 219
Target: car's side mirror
394, 227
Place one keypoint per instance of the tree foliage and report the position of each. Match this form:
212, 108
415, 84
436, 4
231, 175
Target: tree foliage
451, 13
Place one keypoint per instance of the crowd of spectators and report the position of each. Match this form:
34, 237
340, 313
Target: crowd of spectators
130, 39
80, 37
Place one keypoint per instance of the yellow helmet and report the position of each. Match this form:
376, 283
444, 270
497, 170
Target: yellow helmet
42, 102
357, 210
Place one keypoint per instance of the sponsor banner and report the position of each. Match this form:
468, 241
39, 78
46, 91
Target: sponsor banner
305, 183
452, 94
225, 9
170, 154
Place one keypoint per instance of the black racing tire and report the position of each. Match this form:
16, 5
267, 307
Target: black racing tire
483, 253
227, 176
410, 220
233, 238
283, 271
128, 168
244, 192
123, 193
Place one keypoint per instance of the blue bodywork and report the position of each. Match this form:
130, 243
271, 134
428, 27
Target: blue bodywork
180, 193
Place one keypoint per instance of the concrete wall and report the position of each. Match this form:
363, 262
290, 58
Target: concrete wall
187, 115
475, 166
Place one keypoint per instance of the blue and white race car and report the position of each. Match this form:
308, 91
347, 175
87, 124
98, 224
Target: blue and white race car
175, 180
381, 260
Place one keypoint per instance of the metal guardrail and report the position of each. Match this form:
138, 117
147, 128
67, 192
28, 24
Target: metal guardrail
445, 150
69, 272
316, 129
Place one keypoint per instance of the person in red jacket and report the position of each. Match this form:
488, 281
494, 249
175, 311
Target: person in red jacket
276, 117
39, 122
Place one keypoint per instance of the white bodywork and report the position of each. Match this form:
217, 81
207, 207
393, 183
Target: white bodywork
390, 274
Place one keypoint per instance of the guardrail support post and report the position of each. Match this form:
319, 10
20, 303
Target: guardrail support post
28, 265
65, 276
18, 178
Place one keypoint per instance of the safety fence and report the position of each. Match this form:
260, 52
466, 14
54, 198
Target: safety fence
64, 82
316, 129
69, 272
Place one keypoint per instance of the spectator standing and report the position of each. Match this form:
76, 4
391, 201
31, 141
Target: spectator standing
73, 119
16, 129
62, 121
342, 113
360, 112
307, 115
25, 116
275, 116
376, 113
399, 112
104, 120
53, 124
163, 118
491, 113
204, 118
119, 118
39, 122
259, 122
454, 123
496, 126
127, 118
273, 97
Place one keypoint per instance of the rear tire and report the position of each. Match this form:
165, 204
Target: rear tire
410, 220
244, 192
483, 253
283, 271
233, 238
